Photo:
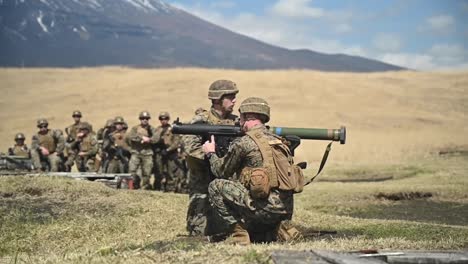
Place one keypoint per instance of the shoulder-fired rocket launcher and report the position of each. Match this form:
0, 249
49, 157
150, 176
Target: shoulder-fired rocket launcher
292, 134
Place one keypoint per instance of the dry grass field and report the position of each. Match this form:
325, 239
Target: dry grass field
390, 117
387, 188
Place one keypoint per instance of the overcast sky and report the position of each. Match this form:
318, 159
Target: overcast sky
418, 34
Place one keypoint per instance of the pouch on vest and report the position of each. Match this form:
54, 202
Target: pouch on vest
298, 175
257, 181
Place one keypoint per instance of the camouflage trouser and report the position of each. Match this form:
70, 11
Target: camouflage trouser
70, 157
180, 176
199, 205
116, 166
168, 173
85, 164
146, 164
232, 202
52, 159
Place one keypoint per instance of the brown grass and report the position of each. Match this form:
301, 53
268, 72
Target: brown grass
390, 117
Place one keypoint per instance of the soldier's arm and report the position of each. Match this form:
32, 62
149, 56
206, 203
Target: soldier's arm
35, 142
69, 137
133, 135
108, 142
94, 147
175, 143
226, 166
156, 135
192, 143
60, 141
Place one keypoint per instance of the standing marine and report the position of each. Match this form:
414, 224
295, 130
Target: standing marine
102, 133
166, 156
255, 180
70, 136
47, 147
141, 138
222, 94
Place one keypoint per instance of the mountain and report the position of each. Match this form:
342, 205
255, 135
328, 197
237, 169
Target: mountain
142, 33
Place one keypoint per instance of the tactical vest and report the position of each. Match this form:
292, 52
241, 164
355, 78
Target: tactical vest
22, 151
214, 120
119, 139
47, 141
87, 143
142, 131
278, 169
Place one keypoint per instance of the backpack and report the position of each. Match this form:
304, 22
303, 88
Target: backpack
278, 171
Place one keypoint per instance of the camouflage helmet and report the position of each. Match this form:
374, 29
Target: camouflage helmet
109, 123
220, 88
84, 126
255, 105
164, 115
20, 136
76, 113
42, 122
144, 114
125, 125
119, 120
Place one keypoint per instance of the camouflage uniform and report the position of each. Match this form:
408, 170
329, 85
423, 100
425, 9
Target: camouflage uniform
21, 150
199, 211
142, 153
232, 200
101, 135
117, 149
71, 132
87, 144
257, 204
165, 157
53, 141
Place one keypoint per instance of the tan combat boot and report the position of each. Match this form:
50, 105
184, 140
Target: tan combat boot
239, 236
287, 233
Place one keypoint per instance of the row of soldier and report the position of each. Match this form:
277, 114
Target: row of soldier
143, 151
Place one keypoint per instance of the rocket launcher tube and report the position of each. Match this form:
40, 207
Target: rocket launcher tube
312, 133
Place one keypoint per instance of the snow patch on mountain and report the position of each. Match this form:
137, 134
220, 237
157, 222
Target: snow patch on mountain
39, 21
148, 5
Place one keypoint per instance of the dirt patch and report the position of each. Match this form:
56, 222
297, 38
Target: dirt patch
419, 210
399, 196
454, 150
7, 195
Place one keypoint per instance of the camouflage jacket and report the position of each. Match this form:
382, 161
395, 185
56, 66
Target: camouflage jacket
192, 143
244, 152
116, 139
135, 136
53, 140
168, 141
88, 144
